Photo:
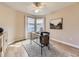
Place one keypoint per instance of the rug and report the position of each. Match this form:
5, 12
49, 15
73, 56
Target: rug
34, 50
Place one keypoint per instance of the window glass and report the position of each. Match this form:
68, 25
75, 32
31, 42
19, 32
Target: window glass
35, 25
39, 24
31, 23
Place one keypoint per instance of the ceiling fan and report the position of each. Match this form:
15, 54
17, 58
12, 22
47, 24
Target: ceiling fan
38, 6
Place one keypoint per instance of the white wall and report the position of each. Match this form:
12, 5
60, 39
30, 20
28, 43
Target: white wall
70, 31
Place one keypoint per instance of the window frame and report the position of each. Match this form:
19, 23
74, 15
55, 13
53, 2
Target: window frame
35, 19
27, 22
43, 22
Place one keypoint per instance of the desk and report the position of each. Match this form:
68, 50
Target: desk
41, 40
35, 37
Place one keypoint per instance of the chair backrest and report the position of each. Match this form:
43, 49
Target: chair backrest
1, 30
44, 38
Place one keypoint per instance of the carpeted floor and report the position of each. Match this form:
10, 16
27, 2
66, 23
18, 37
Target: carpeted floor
34, 50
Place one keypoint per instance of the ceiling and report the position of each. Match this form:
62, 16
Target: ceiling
27, 7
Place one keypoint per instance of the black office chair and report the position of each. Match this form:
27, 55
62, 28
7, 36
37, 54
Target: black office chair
44, 40
1, 31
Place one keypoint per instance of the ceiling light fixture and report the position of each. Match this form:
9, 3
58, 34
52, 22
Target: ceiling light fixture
36, 11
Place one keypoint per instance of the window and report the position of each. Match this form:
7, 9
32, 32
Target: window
35, 24
31, 23
39, 24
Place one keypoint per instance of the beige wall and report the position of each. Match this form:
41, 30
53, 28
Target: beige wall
70, 31
7, 21
13, 23
20, 30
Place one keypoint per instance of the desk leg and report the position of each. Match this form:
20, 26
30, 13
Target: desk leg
41, 50
48, 47
30, 38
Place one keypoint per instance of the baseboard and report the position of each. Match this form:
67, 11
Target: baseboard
69, 44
